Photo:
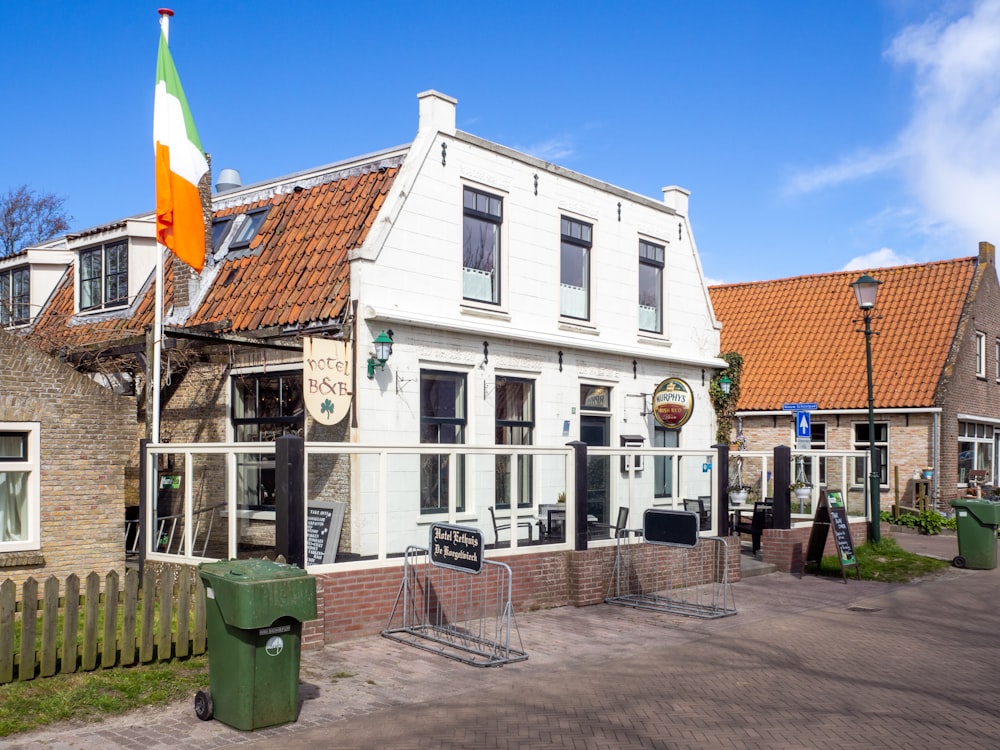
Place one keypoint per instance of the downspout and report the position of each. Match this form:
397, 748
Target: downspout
936, 459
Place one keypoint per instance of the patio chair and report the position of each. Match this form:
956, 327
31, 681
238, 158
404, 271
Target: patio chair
618, 527
497, 528
698, 506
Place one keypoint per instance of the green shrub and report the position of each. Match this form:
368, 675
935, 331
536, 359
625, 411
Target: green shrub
929, 522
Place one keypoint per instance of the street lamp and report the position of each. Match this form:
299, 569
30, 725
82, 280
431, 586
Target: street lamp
865, 290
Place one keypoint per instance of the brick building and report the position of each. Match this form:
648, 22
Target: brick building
935, 362
67, 444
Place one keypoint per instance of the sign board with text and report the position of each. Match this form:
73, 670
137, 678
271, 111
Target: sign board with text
456, 547
831, 513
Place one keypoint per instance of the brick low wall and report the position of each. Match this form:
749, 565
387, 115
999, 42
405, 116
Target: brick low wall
786, 548
351, 604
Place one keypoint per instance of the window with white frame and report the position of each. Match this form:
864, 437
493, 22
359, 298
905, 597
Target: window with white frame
104, 276
481, 222
663, 466
515, 423
265, 406
980, 355
651, 261
442, 420
975, 451
15, 296
862, 443
574, 273
817, 442
249, 229
19, 486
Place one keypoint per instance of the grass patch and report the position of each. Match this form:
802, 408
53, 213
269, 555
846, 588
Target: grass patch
92, 696
886, 561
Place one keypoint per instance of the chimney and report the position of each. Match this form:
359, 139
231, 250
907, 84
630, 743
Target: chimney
677, 198
437, 112
229, 179
987, 253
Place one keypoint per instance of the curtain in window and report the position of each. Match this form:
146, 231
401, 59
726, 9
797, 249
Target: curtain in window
13, 499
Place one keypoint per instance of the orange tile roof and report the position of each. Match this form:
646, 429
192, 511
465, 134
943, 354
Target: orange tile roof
802, 338
295, 271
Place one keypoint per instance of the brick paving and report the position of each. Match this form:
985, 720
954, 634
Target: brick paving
805, 663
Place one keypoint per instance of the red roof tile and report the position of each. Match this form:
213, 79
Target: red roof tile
801, 338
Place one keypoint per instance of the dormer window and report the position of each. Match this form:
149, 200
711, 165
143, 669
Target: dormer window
15, 296
248, 229
220, 228
104, 276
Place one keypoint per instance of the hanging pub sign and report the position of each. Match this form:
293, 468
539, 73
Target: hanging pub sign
326, 379
673, 403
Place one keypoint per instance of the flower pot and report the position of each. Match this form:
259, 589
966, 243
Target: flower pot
802, 493
928, 473
738, 497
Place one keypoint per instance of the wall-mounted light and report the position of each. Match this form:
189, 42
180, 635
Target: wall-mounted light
725, 384
383, 348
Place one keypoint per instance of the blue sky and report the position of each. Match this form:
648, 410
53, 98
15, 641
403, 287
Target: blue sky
813, 136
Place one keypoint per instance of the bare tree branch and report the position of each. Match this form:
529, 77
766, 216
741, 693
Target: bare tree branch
27, 218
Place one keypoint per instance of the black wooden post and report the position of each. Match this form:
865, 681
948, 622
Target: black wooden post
580, 501
289, 499
782, 495
722, 488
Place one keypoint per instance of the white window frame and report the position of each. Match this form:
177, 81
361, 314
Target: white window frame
648, 252
980, 354
32, 466
473, 276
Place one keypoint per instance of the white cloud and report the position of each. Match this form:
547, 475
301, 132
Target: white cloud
953, 139
949, 152
553, 150
882, 258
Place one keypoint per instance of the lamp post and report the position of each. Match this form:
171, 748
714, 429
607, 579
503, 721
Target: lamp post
865, 290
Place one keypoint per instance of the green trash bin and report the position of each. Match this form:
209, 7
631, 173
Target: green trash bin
254, 611
977, 522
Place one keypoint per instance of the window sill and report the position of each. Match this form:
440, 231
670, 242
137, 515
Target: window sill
21, 559
655, 339
578, 327
486, 310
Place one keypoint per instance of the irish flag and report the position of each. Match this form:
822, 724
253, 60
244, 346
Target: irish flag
180, 165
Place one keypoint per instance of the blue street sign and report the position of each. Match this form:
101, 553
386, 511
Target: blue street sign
803, 427
799, 407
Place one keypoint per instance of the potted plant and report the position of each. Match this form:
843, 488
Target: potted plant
739, 493
801, 489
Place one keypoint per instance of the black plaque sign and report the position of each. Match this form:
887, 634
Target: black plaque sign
674, 528
323, 524
456, 547
832, 513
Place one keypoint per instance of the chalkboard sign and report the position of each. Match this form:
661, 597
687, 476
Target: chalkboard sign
324, 521
831, 512
675, 528
456, 547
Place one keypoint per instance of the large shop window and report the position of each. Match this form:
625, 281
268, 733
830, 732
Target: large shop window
861, 443
442, 420
482, 218
265, 407
19, 486
975, 450
515, 422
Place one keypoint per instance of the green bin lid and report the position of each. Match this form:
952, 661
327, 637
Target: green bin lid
254, 593
984, 511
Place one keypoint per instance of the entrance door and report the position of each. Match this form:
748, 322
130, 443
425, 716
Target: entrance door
596, 431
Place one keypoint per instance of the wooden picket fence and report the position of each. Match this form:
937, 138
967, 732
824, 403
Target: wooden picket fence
120, 626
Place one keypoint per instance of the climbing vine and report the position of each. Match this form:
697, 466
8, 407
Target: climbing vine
723, 403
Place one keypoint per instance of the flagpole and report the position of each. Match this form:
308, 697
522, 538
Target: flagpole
165, 14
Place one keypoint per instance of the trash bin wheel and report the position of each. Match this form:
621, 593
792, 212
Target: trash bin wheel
958, 562
203, 705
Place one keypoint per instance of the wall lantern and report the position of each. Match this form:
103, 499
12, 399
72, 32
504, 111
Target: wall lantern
383, 348
725, 384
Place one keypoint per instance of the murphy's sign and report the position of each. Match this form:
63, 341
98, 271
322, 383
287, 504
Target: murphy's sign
326, 379
673, 403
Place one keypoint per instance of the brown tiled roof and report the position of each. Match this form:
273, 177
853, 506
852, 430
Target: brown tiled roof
295, 271
801, 338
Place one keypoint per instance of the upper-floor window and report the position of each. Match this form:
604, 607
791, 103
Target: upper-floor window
980, 355
104, 276
15, 296
996, 360
248, 229
220, 228
651, 261
574, 273
19, 486
481, 221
